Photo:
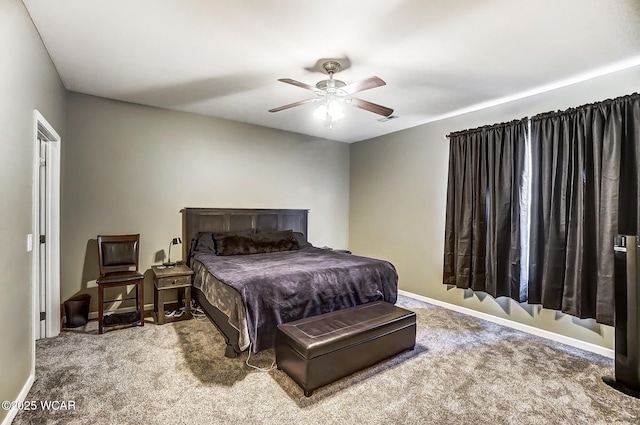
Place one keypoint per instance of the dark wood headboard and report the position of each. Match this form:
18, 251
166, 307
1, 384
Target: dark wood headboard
196, 220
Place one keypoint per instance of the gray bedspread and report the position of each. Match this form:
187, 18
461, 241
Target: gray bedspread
280, 287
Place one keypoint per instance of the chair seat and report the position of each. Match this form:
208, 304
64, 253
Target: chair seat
119, 277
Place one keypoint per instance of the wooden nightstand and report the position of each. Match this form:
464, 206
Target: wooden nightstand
166, 278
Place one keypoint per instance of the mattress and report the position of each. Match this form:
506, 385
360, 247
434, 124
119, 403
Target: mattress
260, 291
224, 298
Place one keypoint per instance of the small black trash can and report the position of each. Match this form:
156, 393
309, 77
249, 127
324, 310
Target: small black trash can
76, 310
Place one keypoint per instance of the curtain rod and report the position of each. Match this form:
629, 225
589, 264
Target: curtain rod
487, 127
593, 104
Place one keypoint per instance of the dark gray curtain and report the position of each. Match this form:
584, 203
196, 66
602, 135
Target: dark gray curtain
584, 190
482, 230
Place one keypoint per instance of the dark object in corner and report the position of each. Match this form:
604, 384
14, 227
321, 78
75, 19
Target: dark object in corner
76, 310
116, 319
627, 318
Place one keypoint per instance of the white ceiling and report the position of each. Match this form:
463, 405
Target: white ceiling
223, 57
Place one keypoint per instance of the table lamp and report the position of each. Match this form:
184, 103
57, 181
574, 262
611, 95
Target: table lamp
169, 263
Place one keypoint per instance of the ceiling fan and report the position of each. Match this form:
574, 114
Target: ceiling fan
334, 92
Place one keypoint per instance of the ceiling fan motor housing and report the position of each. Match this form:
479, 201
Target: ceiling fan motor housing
330, 85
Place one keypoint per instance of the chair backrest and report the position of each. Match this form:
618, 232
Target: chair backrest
118, 253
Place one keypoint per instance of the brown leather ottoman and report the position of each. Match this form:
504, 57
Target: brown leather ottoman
318, 350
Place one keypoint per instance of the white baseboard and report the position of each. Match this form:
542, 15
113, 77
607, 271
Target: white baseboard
587, 346
11, 414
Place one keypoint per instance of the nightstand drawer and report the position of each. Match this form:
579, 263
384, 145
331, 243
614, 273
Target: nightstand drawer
169, 281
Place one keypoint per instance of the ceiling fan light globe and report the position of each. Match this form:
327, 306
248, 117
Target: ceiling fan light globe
321, 112
331, 111
335, 111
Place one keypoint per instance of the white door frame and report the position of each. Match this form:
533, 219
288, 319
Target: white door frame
42, 128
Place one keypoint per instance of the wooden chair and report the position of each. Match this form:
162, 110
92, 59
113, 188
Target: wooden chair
118, 260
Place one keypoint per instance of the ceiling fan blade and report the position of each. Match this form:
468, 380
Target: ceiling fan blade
298, 83
291, 105
366, 84
371, 107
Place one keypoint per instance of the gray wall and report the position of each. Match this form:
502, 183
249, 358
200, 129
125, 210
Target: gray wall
131, 168
28, 81
398, 196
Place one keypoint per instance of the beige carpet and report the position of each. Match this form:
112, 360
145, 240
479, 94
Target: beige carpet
463, 371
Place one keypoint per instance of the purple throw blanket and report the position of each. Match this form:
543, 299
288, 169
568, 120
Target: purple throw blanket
281, 287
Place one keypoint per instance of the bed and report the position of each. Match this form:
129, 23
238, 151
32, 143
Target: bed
254, 269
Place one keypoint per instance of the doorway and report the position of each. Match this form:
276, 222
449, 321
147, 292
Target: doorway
44, 242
